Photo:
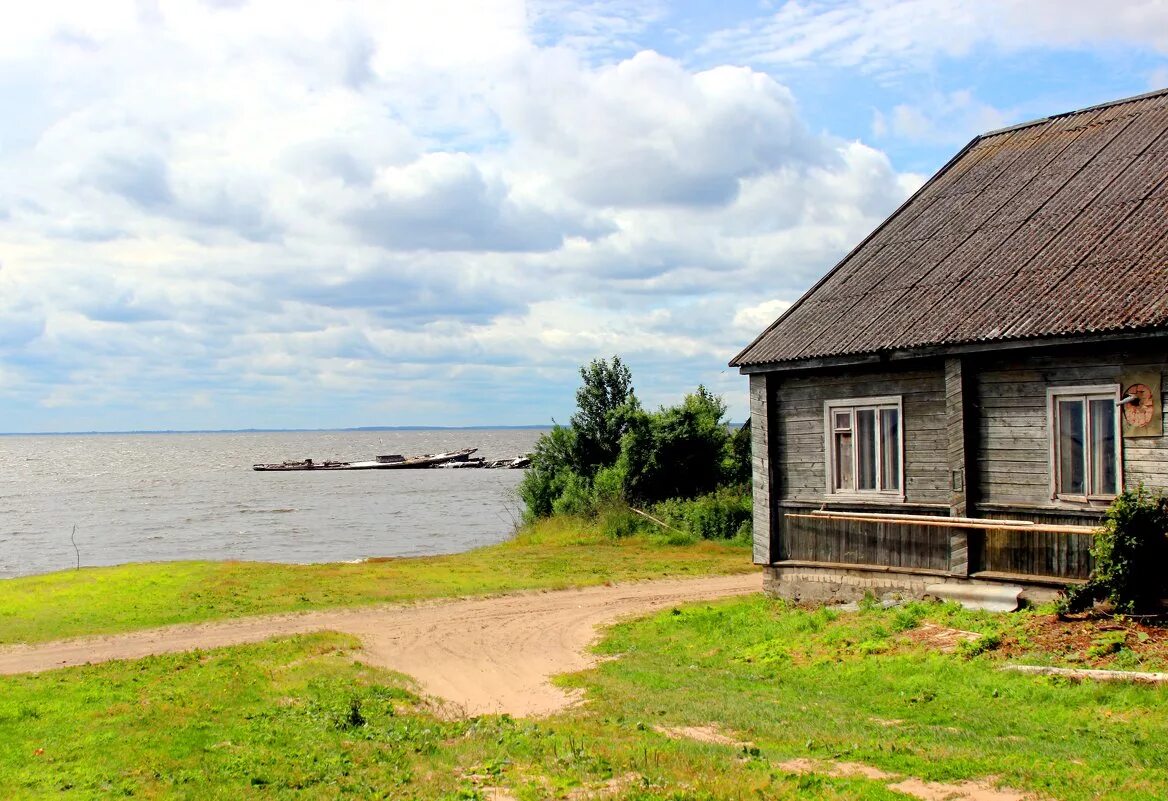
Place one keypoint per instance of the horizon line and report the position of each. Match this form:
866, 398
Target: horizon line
527, 426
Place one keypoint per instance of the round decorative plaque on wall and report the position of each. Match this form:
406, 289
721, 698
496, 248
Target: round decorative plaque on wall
1138, 413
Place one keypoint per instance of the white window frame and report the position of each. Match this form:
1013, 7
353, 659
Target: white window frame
1084, 392
830, 407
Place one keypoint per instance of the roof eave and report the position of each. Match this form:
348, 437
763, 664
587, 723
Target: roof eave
959, 349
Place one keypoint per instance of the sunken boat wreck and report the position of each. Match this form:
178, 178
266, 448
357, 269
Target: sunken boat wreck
390, 462
452, 459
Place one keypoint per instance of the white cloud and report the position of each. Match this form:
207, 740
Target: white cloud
752, 320
889, 36
951, 118
647, 132
260, 204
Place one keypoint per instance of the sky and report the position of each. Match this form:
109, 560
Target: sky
220, 214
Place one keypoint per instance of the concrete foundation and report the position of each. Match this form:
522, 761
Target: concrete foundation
844, 584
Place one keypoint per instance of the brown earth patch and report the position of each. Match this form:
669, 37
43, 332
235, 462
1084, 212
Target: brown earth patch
925, 791
1089, 640
702, 734
941, 638
480, 655
610, 788
966, 791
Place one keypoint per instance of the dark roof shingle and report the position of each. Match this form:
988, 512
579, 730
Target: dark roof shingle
1051, 228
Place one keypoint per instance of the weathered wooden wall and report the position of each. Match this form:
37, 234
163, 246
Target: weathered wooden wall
764, 527
1013, 450
798, 419
866, 542
976, 443
1036, 553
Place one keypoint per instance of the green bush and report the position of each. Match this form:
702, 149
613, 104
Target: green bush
736, 464
605, 405
608, 487
575, 497
678, 452
551, 464
720, 515
614, 454
1130, 551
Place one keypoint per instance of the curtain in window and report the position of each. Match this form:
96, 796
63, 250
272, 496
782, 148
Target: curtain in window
889, 449
844, 469
1071, 423
866, 449
1103, 472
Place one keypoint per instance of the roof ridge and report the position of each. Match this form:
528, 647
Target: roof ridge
1096, 107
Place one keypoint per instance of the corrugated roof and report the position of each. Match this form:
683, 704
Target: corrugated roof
1051, 228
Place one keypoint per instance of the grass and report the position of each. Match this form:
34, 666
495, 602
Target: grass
553, 554
299, 718
854, 687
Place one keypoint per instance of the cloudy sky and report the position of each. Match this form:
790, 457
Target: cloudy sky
264, 213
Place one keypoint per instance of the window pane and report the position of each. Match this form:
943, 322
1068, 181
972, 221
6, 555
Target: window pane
1070, 447
844, 472
843, 420
866, 449
1103, 472
889, 449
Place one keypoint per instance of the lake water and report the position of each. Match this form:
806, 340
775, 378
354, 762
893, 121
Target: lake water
156, 497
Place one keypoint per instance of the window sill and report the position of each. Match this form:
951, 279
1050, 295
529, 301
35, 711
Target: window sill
1079, 501
865, 497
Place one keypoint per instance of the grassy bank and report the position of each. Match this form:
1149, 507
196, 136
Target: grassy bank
554, 553
298, 718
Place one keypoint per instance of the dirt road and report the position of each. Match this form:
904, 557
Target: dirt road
481, 655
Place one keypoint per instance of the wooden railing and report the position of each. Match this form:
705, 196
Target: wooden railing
958, 545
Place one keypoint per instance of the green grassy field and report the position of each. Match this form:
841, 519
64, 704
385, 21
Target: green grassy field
553, 554
300, 718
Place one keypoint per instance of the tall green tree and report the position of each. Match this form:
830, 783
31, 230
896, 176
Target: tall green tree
679, 451
605, 407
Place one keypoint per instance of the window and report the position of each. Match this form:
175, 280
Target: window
1084, 451
864, 446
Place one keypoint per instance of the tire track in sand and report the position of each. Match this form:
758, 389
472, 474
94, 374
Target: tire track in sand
481, 655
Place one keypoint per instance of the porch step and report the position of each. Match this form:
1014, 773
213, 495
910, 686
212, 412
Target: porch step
991, 598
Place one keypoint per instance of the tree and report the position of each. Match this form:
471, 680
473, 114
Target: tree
678, 452
549, 473
605, 405
737, 465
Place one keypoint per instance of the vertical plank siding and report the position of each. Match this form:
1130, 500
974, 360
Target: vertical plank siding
761, 480
1042, 553
960, 427
867, 542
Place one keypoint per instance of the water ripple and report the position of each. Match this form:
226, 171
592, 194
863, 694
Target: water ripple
107, 485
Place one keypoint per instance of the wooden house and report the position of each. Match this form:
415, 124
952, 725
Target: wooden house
960, 397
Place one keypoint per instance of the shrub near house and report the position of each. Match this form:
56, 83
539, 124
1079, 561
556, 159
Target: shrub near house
614, 456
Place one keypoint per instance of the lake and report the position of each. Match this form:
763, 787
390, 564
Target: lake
160, 497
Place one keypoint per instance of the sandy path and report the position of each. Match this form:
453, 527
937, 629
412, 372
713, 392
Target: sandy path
481, 655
